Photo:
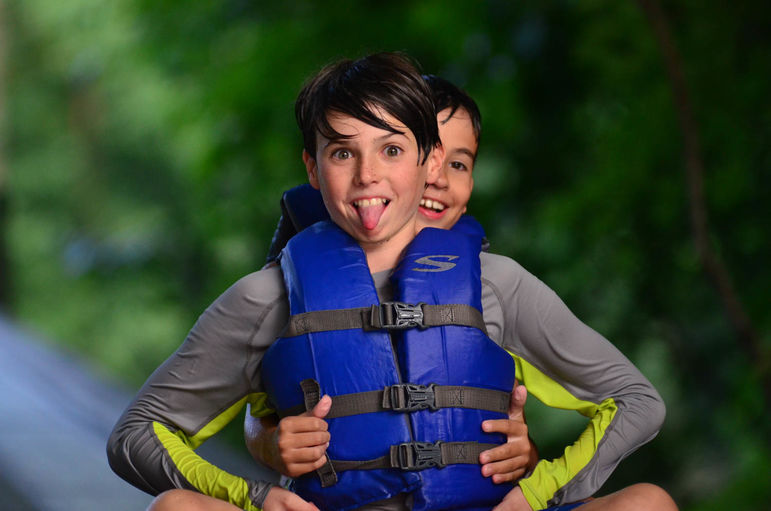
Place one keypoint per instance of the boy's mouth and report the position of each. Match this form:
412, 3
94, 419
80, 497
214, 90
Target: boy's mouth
370, 210
432, 208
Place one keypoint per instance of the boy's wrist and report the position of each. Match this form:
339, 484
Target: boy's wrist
258, 492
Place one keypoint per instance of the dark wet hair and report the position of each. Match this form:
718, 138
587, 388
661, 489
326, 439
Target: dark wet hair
390, 82
448, 95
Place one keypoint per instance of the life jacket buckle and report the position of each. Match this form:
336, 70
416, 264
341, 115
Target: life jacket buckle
418, 455
396, 316
409, 397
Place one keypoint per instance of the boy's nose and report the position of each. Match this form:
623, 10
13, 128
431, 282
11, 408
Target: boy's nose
366, 172
441, 179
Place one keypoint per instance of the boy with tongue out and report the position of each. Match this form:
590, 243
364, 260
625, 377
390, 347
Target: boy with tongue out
371, 146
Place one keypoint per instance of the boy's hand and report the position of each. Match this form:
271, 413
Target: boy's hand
301, 441
279, 499
514, 501
510, 461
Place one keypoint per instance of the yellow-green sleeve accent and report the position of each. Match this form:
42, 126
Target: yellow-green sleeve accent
550, 476
205, 477
258, 405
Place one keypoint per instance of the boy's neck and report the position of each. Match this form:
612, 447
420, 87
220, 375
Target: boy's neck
380, 258
385, 255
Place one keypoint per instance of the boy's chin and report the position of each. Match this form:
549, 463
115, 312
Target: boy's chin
431, 218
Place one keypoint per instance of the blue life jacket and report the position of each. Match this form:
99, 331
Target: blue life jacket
303, 206
403, 445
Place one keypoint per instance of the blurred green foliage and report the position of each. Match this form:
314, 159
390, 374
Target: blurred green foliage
148, 143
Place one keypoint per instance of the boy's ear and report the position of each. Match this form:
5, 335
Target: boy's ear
312, 169
435, 160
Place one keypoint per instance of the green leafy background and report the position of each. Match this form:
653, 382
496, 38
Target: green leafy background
144, 146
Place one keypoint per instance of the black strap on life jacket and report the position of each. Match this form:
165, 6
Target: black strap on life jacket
419, 456
411, 397
385, 316
312, 394
405, 397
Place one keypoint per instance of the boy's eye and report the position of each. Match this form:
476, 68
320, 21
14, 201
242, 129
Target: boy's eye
341, 154
458, 165
392, 150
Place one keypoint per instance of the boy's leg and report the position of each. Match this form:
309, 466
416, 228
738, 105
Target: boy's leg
278, 499
186, 500
638, 497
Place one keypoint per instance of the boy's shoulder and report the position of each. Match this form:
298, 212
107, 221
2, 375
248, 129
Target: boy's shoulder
262, 287
510, 281
498, 268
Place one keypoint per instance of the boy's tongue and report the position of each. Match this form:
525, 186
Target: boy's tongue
370, 215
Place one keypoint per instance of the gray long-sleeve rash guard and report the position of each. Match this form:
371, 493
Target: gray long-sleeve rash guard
207, 381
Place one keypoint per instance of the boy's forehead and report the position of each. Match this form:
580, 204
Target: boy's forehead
348, 126
460, 114
457, 131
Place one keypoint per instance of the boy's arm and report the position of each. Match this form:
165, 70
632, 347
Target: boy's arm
566, 364
198, 390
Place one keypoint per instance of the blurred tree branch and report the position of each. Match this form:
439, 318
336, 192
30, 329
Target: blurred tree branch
716, 271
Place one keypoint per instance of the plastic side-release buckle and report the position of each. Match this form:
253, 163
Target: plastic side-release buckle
409, 397
417, 455
396, 316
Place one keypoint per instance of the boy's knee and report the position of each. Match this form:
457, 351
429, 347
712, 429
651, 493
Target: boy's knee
646, 496
172, 500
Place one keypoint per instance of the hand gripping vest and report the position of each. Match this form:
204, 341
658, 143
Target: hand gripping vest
410, 385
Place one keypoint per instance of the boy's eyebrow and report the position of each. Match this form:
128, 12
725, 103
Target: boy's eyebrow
391, 134
377, 139
463, 150
335, 140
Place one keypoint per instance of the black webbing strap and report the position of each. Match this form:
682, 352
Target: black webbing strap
409, 397
419, 456
385, 316
312, 394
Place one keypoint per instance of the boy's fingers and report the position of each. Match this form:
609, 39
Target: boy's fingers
303, 423
508, 477
296, 503
322, 407
279, 499
506, 451
296, 441
517, 404
304, 455
298, 469
509, 427
506, 470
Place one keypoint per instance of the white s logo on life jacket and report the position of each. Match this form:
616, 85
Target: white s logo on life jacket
436, 265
